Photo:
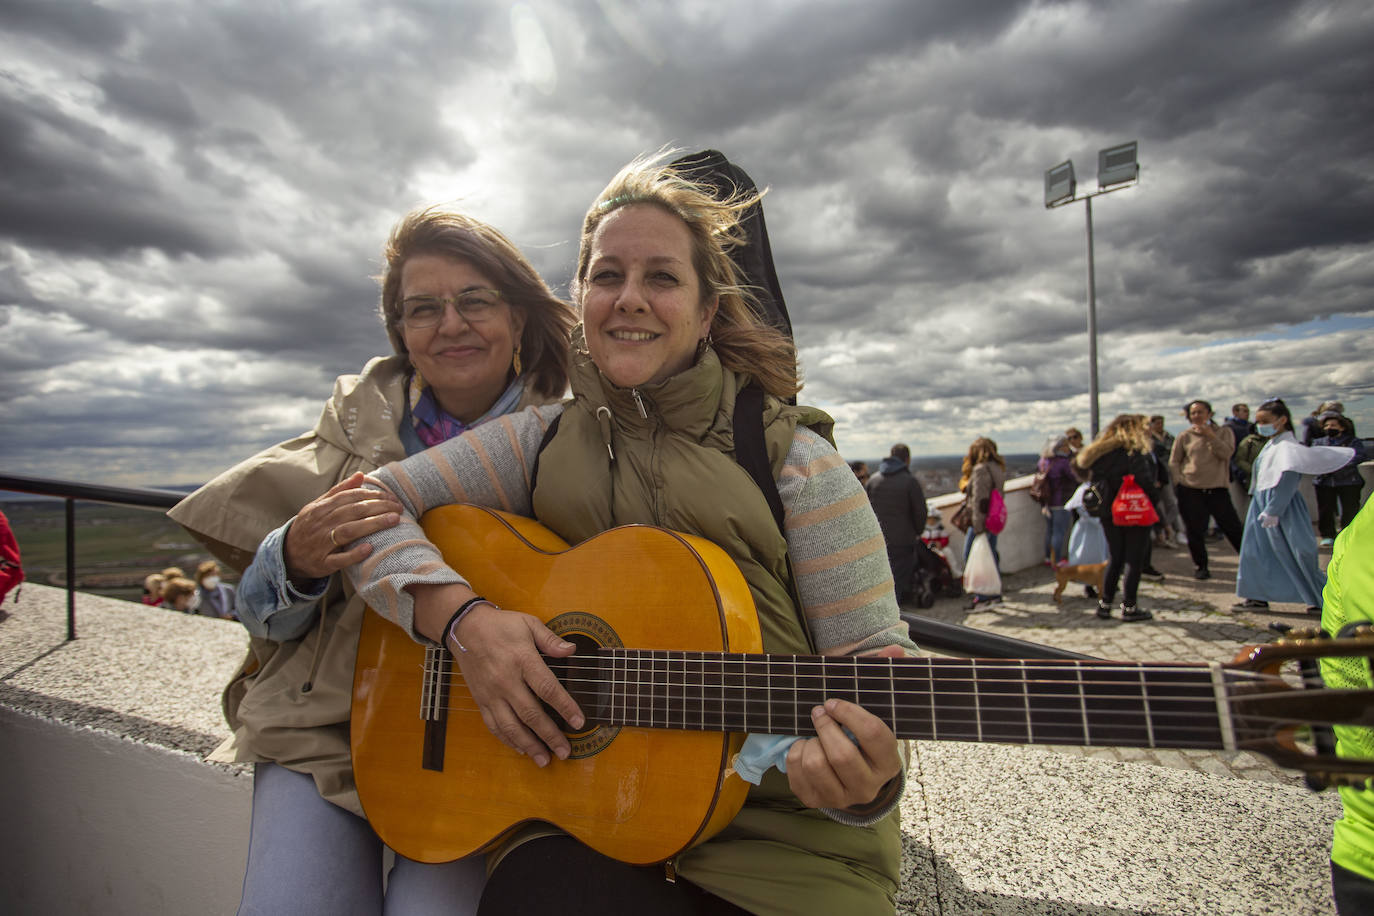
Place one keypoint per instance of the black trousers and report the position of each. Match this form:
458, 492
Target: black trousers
1327, 498
1127, 545
902, 560
1354, 893
558, 875
1196, 506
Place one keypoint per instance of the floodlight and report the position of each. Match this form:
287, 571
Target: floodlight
1059, 184
1116, 164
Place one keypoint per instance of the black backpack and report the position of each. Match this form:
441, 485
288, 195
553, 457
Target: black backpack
755, 257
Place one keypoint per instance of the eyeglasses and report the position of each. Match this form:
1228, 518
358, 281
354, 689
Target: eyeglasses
475, 305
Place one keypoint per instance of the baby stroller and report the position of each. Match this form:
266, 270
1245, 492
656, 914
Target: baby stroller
933, 578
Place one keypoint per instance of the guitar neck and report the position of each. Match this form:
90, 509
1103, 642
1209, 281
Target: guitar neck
1017, 702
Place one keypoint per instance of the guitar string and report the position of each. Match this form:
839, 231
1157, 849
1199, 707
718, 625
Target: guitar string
749, 664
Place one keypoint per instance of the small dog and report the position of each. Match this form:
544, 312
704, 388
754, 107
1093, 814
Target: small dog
1088, 574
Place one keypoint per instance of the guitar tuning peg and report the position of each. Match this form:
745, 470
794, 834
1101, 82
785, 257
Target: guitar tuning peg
1299, 634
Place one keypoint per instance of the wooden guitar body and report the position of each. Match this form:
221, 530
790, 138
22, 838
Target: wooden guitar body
436, 785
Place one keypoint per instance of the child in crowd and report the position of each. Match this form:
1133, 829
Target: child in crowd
937, 539
179, 594
152, 590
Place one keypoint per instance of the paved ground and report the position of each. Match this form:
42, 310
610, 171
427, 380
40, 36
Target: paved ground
1193, 622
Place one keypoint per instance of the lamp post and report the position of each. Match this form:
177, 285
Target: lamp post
1117, 168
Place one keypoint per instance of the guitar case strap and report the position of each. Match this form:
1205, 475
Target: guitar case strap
751, 453
543, 444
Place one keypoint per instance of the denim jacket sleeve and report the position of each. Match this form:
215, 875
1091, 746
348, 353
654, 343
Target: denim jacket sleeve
268, 604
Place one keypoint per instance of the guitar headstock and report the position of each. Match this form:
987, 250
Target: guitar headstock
1292, 725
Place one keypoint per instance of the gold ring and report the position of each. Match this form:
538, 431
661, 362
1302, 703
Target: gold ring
331, 537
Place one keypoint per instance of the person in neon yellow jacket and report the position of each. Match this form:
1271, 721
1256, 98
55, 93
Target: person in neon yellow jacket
1349, 598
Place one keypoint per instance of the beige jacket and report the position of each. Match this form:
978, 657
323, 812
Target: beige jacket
289, 702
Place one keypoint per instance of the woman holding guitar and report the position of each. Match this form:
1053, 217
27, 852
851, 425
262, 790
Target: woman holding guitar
477, 334
667, 342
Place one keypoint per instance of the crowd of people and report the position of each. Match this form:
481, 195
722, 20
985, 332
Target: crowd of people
206, 595
1236, 480
673, 370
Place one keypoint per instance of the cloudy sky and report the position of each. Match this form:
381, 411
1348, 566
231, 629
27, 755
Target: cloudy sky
193, 197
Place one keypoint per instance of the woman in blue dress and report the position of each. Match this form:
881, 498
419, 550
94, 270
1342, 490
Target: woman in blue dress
1278, 552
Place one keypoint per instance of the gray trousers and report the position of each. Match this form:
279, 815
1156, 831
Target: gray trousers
307, 856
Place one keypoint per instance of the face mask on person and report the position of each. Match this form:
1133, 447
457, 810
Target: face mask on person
1265, 429
209, 583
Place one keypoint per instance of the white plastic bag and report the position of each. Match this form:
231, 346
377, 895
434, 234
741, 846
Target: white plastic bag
980, 575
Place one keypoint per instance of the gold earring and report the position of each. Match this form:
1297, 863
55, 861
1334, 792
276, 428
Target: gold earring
516, 362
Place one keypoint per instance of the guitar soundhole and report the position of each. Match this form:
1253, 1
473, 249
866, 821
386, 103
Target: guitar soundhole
588, 633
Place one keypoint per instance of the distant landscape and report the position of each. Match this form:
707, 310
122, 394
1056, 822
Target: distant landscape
117, 546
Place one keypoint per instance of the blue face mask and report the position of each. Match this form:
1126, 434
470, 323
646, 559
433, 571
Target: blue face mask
1265, 429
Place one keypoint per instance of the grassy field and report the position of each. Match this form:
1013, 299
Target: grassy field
116, 546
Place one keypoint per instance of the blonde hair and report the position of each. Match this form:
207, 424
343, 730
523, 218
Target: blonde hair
173, 572
548, 319
209, 567
981, 451
744, 342
1130, 430
177, 587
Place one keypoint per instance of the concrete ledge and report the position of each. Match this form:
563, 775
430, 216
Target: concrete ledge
111, 806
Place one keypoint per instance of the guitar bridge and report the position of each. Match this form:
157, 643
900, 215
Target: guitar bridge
438, 678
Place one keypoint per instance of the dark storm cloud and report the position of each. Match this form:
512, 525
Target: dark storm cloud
72, 25
69, 185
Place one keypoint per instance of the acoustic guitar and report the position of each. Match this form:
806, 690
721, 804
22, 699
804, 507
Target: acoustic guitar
670, 675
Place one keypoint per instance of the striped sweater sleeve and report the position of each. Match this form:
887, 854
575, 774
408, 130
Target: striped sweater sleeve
838, 552
488, 466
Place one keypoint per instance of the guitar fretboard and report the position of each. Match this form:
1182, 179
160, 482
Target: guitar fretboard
1019, 702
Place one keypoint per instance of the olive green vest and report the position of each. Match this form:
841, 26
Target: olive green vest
664, 455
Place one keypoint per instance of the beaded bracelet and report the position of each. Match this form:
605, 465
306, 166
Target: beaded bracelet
457, 618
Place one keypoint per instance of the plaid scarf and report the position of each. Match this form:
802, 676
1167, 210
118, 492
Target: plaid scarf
433, 425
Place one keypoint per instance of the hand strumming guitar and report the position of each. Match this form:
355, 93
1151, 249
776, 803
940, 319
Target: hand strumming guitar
504, 669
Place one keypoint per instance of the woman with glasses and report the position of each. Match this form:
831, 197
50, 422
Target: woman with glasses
668, 340
477, 335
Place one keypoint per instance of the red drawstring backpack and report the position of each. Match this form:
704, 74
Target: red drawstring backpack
1132, 508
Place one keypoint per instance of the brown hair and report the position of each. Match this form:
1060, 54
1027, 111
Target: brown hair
982, 451
177, 587
548, 319
744, 343
209, 567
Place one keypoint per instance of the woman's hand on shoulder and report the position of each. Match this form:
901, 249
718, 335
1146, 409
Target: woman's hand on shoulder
318, 542
503, 665
831, 770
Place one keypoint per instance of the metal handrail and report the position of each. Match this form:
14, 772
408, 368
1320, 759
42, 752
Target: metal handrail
72, 490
